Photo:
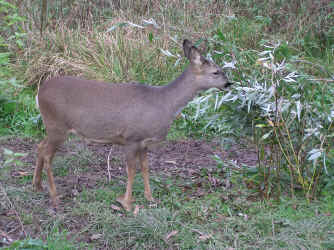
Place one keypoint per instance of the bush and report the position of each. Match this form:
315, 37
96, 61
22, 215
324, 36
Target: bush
289, 113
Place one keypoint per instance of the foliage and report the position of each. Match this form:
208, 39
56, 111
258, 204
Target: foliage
289, 112
11, 36
15, 110
55, 240
12, 158
11, 32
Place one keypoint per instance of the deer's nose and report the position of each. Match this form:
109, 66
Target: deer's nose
228, 84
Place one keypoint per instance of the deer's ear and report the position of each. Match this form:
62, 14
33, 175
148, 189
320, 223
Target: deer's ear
187, 47
192, 53
195, 57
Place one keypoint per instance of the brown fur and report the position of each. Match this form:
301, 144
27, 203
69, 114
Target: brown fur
133, 115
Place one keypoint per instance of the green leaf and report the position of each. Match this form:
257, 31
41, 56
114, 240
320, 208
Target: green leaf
265, 136
8, 162
150, 37
28, 244
120, 25
314, 154
9, 107
20, 154
221, 35
7, 151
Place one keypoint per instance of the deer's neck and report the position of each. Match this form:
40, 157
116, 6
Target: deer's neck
179, 92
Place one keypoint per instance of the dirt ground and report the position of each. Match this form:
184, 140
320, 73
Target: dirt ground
183, 158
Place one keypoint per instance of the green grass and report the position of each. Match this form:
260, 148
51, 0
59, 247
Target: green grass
54, 240
18, 112
190, 213
180, 220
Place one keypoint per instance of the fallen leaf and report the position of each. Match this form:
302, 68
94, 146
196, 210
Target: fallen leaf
116, 207
171, 234
24, 173
220, 217
154, 204
6, 238
95, 237
224, 198
8, 213
245, 216
204, 237
19, 174
171, 162
75, 192
200, 193
228, 184
136, 210
270, 123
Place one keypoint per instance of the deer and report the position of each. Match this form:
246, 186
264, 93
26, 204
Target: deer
136, 116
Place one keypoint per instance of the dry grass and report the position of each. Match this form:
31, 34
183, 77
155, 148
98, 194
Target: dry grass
77, 43
92, 54
76, 40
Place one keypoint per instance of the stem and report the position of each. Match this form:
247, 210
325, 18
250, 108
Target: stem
289, 163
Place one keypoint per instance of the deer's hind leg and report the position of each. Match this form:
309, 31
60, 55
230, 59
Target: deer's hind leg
46, 151
37, 180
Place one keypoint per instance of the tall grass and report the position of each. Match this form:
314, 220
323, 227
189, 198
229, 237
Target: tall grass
117, 56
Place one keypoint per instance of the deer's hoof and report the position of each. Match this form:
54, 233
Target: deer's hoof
149, 197
126, 204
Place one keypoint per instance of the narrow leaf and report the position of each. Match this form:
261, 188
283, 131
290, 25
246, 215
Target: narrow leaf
171, 234
265, 136
299, 109
7, 151
315, 155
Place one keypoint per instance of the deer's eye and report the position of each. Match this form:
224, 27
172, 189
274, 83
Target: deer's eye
216, 73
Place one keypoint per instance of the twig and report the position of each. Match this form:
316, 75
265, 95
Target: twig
324, 80
14, 229
315, 64
108, 162
7, 238
16, 213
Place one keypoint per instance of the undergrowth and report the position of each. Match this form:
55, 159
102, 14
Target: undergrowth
197, 212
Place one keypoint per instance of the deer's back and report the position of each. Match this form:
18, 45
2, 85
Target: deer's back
102, 111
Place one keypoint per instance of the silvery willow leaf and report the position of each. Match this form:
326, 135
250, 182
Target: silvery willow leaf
135, 25
167, 53
314, 154
151, 21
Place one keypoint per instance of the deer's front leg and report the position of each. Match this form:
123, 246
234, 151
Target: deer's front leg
126, 199
145, 172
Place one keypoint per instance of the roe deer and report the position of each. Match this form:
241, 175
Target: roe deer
133, 115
